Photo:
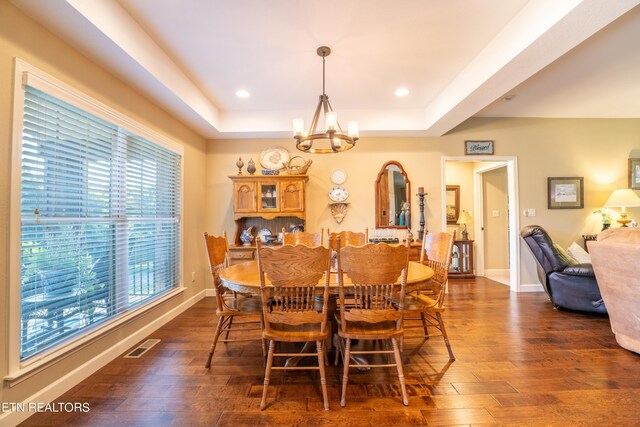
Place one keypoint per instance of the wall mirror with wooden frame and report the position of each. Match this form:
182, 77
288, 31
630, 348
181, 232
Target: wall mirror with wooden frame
393, 193
452, 204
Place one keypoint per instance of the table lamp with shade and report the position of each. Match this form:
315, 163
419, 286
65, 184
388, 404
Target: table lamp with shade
463, 219
626, 198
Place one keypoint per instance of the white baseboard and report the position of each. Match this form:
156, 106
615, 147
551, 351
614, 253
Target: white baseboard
57, 388
210, 292
531, 287
497, 272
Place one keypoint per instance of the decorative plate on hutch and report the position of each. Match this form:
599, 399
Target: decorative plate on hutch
338, 194
274, 158
263, 233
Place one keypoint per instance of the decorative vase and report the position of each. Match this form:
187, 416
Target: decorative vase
246, 237
239, 165
605, 226
251, 167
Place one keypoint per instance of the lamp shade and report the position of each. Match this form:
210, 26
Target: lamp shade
464, 218
623, 199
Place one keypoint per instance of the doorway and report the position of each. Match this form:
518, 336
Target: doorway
493, 212
494, 227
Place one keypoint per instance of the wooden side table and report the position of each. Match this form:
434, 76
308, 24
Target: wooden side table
462, 260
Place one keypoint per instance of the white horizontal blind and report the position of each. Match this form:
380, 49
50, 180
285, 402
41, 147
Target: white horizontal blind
100, 221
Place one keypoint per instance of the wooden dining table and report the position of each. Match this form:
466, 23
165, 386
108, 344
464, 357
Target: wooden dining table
244, 277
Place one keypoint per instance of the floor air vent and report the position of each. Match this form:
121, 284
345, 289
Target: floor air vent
141, 349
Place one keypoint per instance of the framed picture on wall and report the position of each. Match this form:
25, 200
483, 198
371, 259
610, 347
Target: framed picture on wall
634, 174
452, 203
565, 193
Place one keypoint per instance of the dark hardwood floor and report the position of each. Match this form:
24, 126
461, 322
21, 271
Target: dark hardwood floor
519, 362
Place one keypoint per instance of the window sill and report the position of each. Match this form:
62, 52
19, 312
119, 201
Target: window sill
41, 362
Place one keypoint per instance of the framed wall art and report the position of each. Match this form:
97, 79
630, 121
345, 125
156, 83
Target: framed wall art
634, 174
565, 193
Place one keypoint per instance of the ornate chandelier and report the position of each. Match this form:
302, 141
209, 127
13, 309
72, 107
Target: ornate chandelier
333, 134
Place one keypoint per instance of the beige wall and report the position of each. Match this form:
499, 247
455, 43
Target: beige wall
595, 149
496, 228
21, 37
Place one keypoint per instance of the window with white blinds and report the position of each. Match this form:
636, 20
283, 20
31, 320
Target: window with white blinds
100, 222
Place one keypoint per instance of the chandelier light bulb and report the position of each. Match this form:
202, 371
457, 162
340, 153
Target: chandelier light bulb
298, 127
352, 129
331, 120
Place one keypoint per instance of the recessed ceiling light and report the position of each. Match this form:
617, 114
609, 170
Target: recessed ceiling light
403, 91
509, 97
242, 93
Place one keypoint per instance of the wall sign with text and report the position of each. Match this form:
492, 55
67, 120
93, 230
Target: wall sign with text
478, 147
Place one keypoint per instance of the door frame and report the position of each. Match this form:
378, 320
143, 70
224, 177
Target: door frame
514, 219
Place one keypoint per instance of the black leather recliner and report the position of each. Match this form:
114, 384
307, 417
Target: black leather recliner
568, 286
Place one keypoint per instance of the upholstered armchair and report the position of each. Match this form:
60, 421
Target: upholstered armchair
568, 286
615, 256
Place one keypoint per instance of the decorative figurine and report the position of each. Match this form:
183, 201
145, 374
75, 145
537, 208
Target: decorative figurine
405, 215
239, 164
251, 168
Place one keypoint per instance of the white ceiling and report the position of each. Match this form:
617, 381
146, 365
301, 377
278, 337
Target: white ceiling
458, 58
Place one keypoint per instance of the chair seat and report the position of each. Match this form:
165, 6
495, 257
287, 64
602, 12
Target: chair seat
420, 303
290, 333
241, 305
364, 330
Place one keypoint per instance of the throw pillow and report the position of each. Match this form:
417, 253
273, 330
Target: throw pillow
579, 254
564, 256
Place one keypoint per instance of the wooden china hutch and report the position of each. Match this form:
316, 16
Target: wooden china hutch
270, 202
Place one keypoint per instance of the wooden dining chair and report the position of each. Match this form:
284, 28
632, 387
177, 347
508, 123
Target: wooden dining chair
228, 304
427, 307
303, 238
437, 247
349, 238
373, 271
298, 275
